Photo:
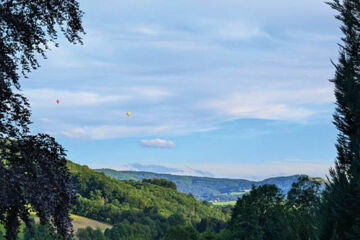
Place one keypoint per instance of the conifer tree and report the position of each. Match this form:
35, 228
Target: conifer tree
341, 208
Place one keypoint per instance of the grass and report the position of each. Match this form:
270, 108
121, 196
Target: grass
237, 193
224, 203
83, 222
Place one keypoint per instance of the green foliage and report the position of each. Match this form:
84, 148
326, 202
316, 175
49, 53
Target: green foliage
139, 210
181, 233
2, 232
303, 202
151, 210
210, 224
90, 234
161, 182
39, 232
126, 230
106, 199
211, 236
265, 214
260, 215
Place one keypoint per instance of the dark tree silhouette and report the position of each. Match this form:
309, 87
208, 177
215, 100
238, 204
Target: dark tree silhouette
302, 205
341, 209
27, 27
33, 172
259, 215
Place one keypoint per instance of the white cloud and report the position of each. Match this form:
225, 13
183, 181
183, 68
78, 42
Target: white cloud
110, 131
314, 36
271, 104
236, 30
150, 92
190, 72
157, 143
183, 45
146, 29
48, 97
75, 133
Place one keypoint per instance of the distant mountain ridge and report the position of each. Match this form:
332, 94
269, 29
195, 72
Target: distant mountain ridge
205, 188
153, 168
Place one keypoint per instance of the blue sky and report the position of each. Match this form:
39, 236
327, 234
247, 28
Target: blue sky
232, 88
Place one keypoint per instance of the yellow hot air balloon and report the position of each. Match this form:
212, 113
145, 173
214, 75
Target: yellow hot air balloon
128, 114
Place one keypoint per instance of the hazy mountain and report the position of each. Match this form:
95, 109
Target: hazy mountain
167, 170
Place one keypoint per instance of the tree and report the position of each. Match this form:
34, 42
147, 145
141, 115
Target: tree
33, 170
181, 233
210, 224
210, 236
161, 182
341, 211
34, 175
39, 232
259, 215
90, 234
303, 201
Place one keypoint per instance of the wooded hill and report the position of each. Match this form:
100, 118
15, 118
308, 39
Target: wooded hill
206, 188
109, 200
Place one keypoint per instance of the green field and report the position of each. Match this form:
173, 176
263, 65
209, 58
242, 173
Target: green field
83, 222
224, 203
237, 193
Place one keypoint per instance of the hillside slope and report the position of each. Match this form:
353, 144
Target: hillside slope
83, 222
205, 188
109, 200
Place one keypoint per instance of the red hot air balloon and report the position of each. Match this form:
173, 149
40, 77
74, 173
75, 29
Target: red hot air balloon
57, 101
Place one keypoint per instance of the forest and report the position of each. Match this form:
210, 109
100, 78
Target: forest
154, 210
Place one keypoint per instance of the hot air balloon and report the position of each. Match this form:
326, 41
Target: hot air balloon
57, 101
128, 114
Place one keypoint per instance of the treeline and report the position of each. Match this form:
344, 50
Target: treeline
152, 226
161, 182
149, 210
264, 213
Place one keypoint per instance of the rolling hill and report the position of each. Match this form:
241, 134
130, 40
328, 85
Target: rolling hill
205, 188
109, 200
83, 222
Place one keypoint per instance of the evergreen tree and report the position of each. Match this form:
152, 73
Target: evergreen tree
341, 209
